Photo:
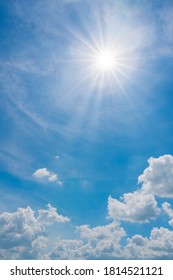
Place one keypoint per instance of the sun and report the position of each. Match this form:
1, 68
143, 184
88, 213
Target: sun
105, 60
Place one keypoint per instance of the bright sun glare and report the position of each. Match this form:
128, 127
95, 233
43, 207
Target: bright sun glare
104, 63
105, 60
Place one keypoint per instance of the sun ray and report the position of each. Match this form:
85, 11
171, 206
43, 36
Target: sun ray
104, 60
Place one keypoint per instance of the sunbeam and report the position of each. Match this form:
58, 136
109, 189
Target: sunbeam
104, 63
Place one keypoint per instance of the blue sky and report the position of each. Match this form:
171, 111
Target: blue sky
86, 145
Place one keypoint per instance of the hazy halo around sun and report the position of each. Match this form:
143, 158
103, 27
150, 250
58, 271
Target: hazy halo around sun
105, 60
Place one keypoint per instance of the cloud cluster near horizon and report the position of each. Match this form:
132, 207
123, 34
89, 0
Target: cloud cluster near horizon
21, 230
23, 234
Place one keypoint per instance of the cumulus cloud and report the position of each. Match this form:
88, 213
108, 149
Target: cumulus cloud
158, 245
23, 234
43, 173
167, 208
66, 249
112, 230
50, 216
96, 242
103, 241
141, 205
133, 207
158, 177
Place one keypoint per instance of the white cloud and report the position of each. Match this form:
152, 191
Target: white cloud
53, 177
23, 234
50, 216
101, 232
141, 205
66, 249
158, 245
102, 241
97, 242
158, 177
43, 173
133, 207
57, 157
167, 208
